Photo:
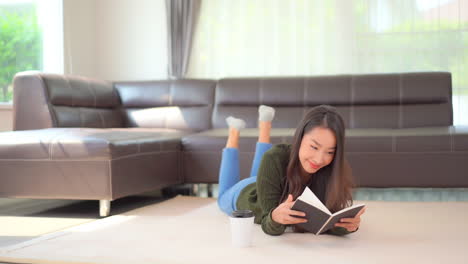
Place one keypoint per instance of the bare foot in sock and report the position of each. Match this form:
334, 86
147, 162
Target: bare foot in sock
235, 125
266, 113
265, 116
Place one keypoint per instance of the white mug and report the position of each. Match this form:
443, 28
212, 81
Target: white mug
242, 223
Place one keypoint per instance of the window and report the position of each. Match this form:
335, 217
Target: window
316, 37
30, 39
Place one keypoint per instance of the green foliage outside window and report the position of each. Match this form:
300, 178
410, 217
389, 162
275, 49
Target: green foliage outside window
413, 43
20, 45
415, 48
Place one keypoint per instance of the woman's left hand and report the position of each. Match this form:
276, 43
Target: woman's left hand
351, 224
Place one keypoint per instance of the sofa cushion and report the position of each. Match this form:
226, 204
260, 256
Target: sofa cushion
422, 140
67, 116
87, 143
82, 102
178, 104
365, 100
372, 153
426, 139
215, 139
52, 100
84, 163
68, 90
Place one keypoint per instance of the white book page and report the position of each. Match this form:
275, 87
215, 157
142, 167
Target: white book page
347, 208
309, 197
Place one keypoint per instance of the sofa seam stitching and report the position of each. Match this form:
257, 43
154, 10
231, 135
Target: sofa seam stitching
452, 139
400, 107
48, 102
351, 111
97, 160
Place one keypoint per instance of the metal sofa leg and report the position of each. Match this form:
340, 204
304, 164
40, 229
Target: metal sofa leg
104, 208
209, 190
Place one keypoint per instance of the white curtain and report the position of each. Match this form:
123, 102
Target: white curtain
317, 37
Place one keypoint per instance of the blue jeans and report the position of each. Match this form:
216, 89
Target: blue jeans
230, 185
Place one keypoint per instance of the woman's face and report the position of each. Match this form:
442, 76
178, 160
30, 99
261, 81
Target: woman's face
317, 149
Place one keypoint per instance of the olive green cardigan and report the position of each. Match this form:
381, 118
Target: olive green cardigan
263, 196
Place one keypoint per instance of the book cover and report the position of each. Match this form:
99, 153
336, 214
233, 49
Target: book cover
320, 219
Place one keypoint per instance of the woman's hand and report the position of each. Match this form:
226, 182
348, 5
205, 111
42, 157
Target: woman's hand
351, 224
284, 215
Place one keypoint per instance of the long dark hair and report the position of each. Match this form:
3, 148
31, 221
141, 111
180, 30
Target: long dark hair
336, 177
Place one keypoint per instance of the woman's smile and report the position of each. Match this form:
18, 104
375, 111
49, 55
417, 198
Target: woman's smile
314, 166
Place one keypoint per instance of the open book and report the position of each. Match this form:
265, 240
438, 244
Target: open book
320, 219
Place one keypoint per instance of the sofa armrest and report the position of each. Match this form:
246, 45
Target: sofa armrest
44, 100
31, 104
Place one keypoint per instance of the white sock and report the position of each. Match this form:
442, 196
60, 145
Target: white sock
266, 113
236, 123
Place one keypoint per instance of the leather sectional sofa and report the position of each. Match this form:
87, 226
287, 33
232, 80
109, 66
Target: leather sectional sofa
79, 138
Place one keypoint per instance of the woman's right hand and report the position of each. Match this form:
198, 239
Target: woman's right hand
284, 215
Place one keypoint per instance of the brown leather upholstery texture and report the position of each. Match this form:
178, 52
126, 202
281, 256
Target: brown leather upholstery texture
79, 138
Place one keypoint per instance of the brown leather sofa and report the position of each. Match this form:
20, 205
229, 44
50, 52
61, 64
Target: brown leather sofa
79, 138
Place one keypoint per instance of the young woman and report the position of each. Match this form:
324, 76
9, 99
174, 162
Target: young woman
280, 173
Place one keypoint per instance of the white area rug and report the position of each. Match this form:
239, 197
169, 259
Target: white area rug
193, 230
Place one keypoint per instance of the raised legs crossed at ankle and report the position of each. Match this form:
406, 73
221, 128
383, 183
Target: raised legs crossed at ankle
230, 185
